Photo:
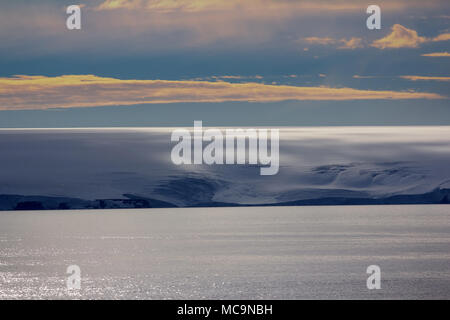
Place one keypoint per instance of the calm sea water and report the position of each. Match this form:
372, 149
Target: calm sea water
229, 253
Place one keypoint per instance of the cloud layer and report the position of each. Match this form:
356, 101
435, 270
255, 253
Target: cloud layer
214, 5
41, 92
400, 37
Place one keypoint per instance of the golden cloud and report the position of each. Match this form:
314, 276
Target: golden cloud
425, 78
441, 37
402, 37
436, 54
67, 91
353, 43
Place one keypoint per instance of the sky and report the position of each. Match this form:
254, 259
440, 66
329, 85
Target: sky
226, 62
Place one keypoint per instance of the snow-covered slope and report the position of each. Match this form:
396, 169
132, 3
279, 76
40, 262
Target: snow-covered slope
97, 168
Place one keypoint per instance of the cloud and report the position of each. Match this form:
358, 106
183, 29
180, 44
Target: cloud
411, 78
228, 77
168, 5
215, 5
352, 43
441, 37
235, 77
402, 37
436, 54
41, 92
356, 76
425, 78
166, 25
321, 41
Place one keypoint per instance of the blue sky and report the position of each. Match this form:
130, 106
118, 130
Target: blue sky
256, 62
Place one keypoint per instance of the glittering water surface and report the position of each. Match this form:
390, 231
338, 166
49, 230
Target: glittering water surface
230, 253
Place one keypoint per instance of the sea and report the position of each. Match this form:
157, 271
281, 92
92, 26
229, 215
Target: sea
313, 252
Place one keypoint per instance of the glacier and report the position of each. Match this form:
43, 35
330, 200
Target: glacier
96, 168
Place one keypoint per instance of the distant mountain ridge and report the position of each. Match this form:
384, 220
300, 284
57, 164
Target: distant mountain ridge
20, 202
